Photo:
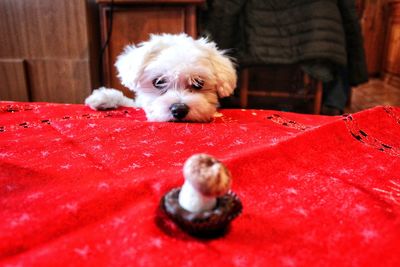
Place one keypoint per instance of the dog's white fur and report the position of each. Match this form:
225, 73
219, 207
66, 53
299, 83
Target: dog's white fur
178, 62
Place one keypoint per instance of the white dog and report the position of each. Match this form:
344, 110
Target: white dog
174, 77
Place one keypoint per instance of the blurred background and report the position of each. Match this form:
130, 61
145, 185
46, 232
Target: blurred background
60, 50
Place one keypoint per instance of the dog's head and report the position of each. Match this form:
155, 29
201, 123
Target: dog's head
176, 78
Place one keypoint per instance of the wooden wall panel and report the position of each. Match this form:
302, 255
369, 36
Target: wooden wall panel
59, 41
393, 55
13, 82
60, 81
391, 66
43, 29
373, 23
392, 62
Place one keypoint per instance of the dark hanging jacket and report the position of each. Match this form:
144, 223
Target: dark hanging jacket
320, 35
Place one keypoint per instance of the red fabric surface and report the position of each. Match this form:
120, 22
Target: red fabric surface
81, 187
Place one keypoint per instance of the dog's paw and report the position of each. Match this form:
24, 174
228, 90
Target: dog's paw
107, 98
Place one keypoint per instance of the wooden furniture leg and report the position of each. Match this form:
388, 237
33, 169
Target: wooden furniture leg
318, 97
244, 87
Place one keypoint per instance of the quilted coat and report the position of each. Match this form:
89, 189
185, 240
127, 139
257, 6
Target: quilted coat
320, 35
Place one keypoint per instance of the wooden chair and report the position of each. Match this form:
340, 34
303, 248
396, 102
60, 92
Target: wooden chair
311, 89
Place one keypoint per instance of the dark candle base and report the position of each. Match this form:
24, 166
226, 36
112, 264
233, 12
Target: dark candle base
212, 223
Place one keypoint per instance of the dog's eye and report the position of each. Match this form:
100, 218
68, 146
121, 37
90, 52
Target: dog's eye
197, 83
160, 83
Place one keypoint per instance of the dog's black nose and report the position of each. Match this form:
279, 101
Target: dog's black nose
179, 110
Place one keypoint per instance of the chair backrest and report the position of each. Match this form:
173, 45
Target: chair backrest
278, 82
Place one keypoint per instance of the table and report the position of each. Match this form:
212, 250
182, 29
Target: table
81, 188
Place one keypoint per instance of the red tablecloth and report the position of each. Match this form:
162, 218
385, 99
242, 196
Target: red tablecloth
80, 187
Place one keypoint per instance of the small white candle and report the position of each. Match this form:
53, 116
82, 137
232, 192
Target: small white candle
205, 179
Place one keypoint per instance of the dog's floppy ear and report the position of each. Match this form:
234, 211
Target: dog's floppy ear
133, 60
224, 68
